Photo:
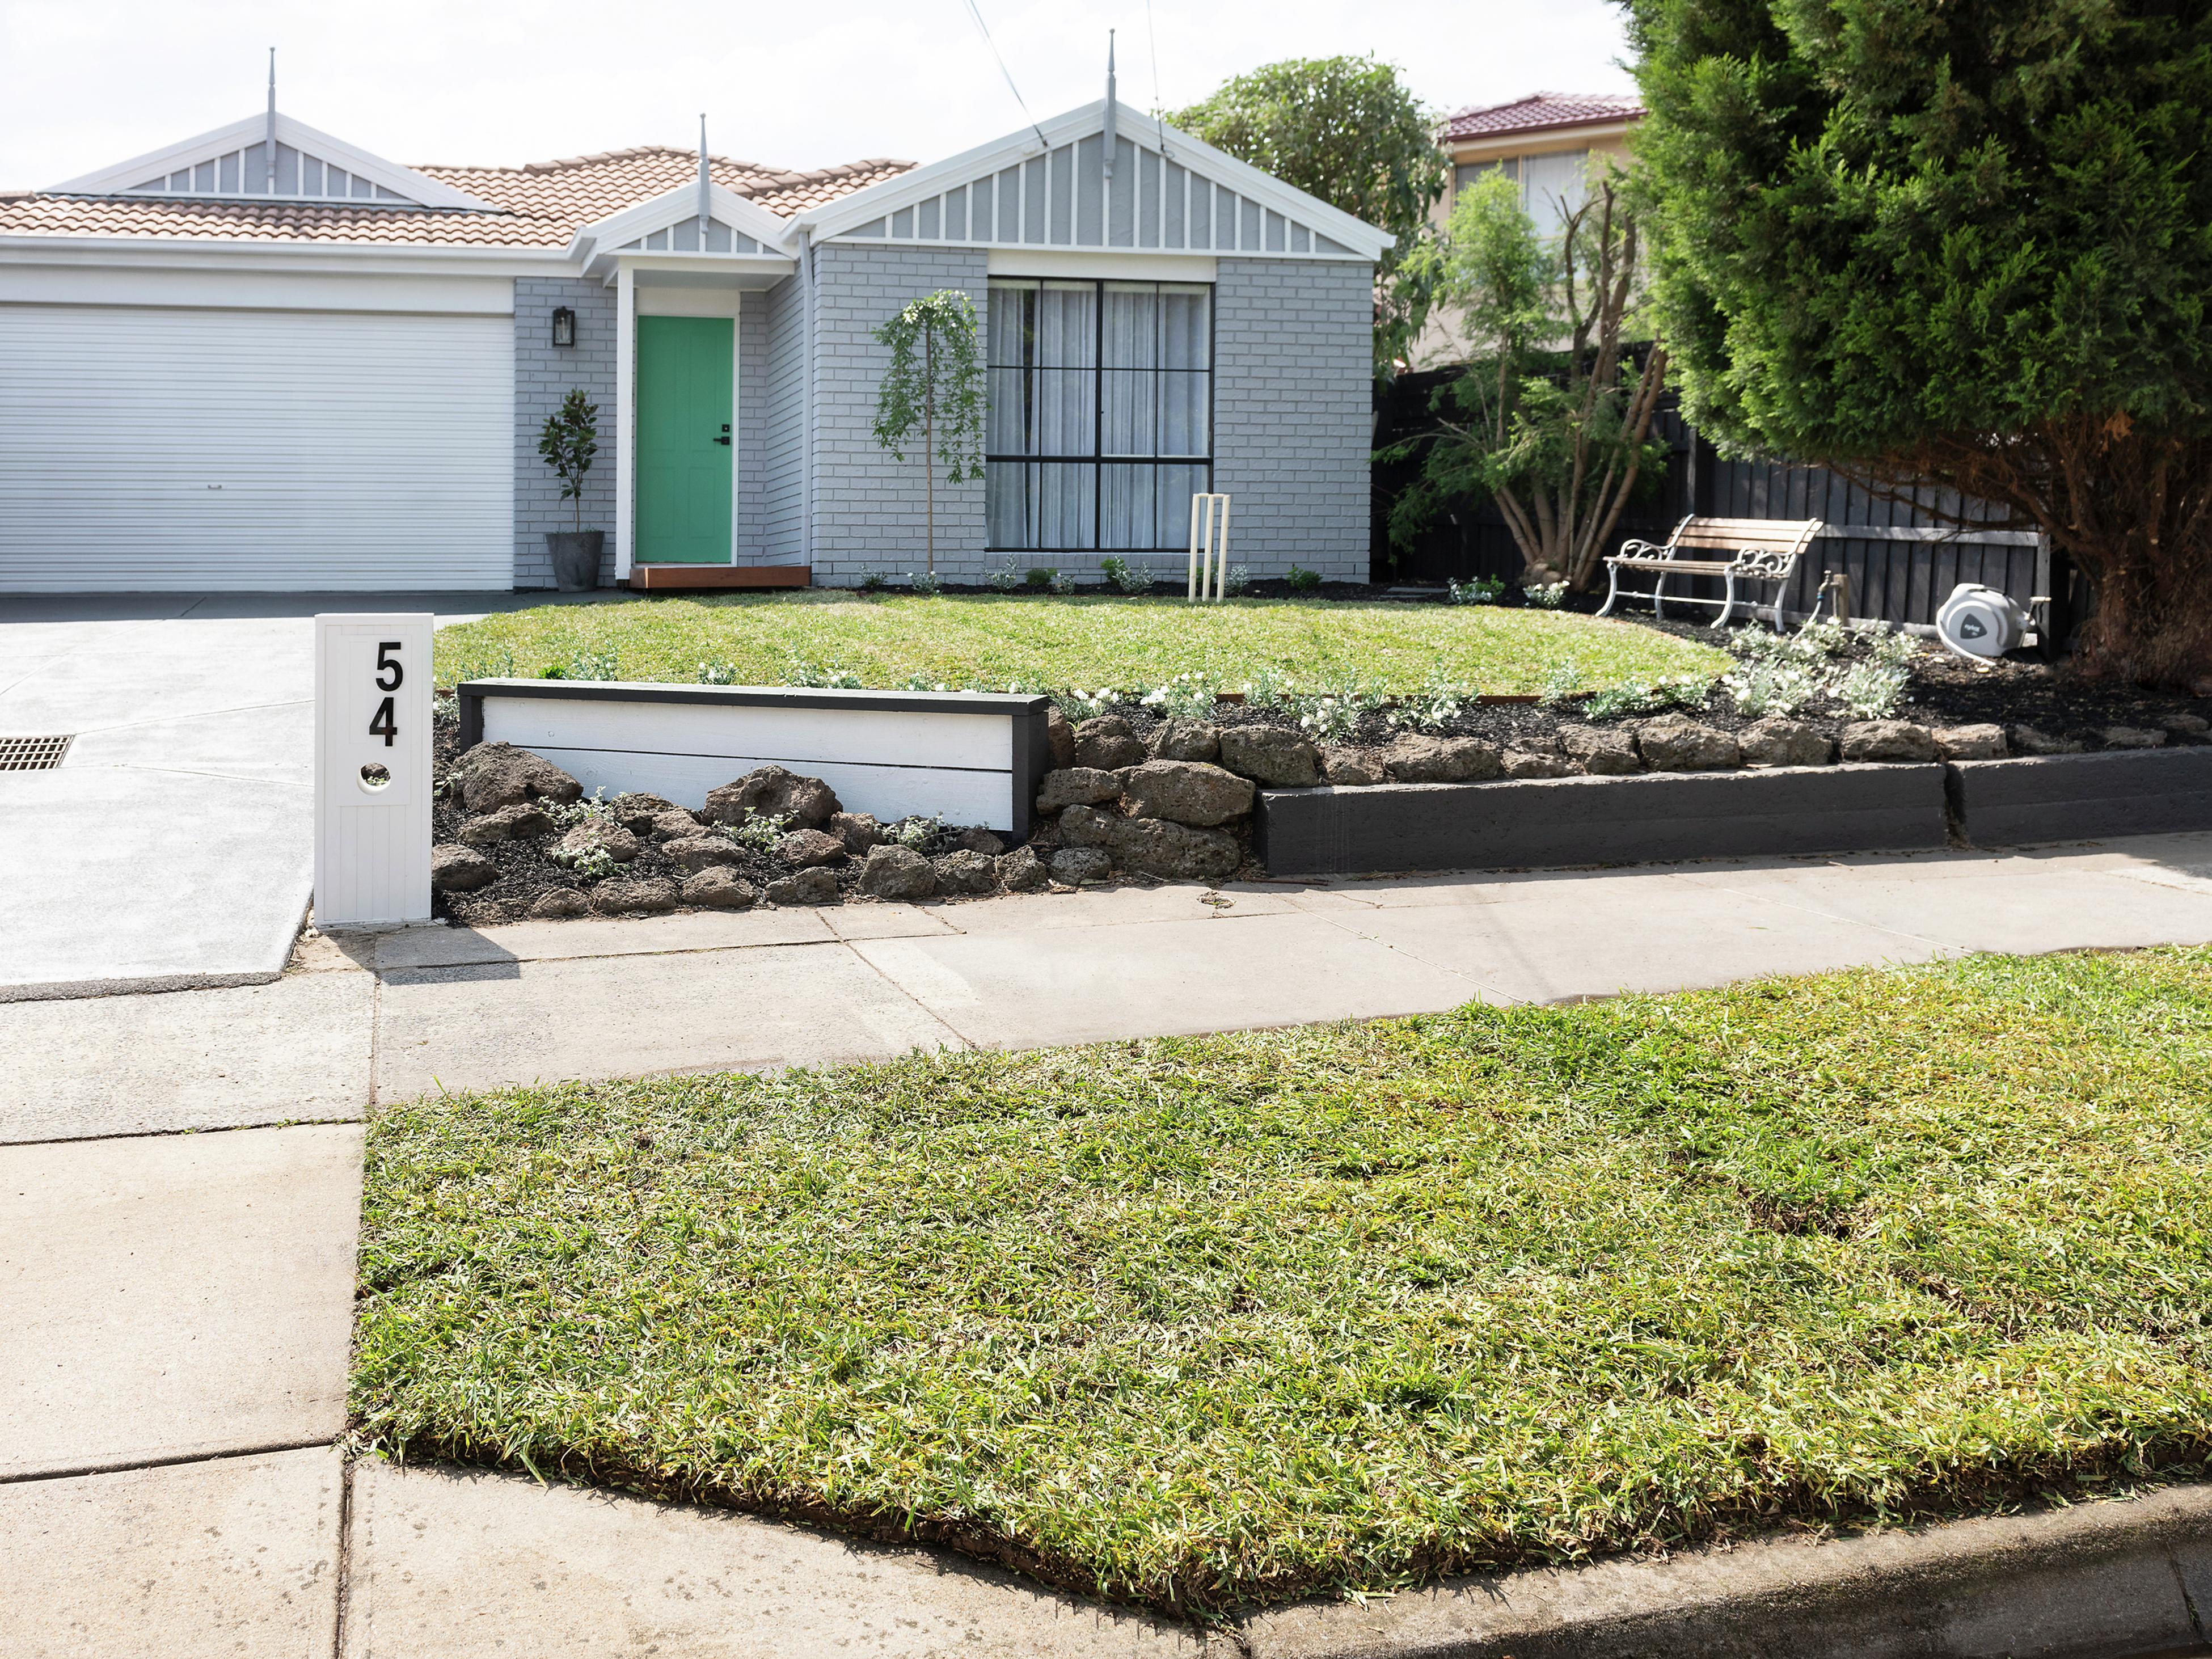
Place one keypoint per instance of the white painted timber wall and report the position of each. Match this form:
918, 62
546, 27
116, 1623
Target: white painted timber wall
373, 710
965, 767
147, 449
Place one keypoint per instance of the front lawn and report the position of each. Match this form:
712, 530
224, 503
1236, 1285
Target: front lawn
1207, 1323
1087, 643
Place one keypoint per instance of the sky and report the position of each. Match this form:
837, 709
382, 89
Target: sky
88, 83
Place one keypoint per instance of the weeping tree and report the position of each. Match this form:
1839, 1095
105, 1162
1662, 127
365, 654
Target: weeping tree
934, 386
1966, 244
1551, 417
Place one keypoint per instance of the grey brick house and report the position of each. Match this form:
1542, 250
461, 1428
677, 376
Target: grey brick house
264, 359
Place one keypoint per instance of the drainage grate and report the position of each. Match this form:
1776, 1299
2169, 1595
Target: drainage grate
34, 753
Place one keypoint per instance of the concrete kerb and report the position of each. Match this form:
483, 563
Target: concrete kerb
2133, 1576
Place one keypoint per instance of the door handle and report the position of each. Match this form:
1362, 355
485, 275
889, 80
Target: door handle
722, 441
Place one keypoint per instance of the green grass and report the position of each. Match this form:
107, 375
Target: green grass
1206, 1323
1082, 643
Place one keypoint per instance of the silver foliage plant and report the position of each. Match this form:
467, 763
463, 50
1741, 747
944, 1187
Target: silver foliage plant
1780, 674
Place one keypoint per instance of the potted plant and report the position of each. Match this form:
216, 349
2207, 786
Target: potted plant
567, 441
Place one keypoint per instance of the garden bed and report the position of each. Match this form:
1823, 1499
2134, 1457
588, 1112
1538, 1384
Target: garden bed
1163, 785
1210, 1323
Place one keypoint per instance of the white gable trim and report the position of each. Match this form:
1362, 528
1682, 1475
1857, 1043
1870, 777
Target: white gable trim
416, 189
912, 193
627, 230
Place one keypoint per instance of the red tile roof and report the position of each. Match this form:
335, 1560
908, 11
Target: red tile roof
544, 204
1538, 112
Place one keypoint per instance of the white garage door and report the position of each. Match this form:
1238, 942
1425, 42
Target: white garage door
153, 449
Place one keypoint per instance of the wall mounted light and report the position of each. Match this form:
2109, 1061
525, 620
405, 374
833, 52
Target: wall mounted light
564, 326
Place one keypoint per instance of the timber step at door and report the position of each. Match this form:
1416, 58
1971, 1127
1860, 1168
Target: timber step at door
670, 578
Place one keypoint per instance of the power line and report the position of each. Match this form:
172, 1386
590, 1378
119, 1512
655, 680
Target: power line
976, 12
1159, 114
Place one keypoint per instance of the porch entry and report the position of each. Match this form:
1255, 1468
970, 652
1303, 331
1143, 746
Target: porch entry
685, 440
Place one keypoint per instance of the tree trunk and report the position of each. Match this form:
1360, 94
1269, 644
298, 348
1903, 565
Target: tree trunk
2132, 505
929, 441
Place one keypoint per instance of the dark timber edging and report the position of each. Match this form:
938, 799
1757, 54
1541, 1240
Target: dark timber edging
2130, 792
2097, 1579
1654, 816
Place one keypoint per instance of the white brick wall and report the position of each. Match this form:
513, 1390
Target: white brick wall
782, 311
543, 373
1292, 411
868, 507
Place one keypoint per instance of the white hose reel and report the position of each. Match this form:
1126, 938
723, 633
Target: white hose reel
1982, 622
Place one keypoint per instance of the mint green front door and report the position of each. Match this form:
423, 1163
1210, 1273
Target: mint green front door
684, 440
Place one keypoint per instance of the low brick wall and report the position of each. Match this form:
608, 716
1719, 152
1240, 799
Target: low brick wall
2145, 792
1601, 820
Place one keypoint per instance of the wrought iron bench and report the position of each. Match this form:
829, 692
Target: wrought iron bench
1759, 549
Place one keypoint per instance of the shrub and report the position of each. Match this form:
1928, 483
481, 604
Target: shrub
1040, 577
1476, 590
1303, 581
1062, 581
1544, 595
1125, 578
1004, 579
926, 583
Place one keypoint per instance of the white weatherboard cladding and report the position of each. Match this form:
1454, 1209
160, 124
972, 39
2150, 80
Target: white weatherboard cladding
146, 449
682, 237
372, 708
893, 763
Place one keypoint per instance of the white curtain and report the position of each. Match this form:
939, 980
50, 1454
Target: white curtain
1111, 379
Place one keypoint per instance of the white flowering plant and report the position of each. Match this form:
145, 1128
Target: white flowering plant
1186, 697
1546, 596
1080, 705
1476, 590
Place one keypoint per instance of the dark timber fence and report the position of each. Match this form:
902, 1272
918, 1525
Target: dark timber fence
1902, 559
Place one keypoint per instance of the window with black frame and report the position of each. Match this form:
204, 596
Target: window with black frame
1101, 424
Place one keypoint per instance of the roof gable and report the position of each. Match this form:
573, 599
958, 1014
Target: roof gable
669, 223
232, 164
1047, 186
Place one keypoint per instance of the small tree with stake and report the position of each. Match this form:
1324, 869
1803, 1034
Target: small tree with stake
935, 383
567, 441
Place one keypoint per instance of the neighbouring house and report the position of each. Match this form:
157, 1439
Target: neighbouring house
1547, 143
264, 359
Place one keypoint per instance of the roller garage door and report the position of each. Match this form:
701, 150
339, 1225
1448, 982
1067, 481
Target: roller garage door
146, 449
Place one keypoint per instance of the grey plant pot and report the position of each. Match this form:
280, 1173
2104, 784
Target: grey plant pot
575, 555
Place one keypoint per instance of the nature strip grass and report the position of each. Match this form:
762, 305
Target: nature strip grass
1069, 644
1207, 1323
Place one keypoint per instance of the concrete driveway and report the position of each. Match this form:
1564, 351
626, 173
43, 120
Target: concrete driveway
173, 846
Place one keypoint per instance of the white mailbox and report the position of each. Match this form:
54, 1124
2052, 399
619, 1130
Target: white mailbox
373, 770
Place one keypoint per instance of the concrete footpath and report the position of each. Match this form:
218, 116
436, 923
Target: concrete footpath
178, 1305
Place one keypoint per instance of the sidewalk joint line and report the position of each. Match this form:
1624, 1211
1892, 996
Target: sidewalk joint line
958, 1037
182, 1460
190, 1129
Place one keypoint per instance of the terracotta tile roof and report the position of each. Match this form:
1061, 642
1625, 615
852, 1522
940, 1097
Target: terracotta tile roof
1540, 111
544, 203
